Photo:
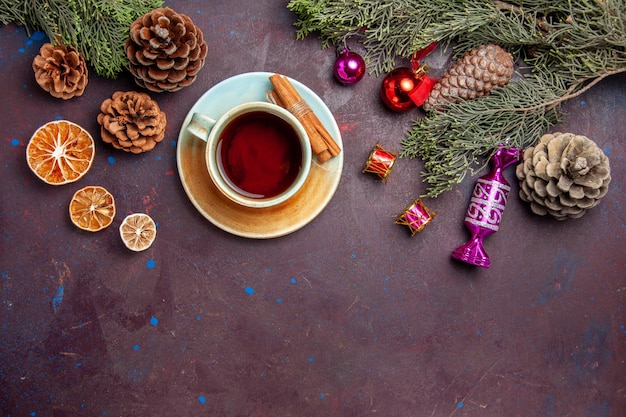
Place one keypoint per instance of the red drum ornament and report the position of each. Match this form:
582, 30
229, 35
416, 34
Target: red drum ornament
486, 207
380, 162
416, 216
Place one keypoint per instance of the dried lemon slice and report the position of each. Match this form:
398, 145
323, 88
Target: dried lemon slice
138, 231
92, 208
60, 152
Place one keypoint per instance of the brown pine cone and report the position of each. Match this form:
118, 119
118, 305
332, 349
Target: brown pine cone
564, 175
61, 70
166, 50
474, 75
131, 121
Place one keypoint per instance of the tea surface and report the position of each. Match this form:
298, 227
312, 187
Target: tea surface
260, 154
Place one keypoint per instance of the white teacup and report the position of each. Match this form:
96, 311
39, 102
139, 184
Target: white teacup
257, 154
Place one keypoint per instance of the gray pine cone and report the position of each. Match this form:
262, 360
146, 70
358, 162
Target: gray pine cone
564, 175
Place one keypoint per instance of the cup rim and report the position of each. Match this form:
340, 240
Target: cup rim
213, 165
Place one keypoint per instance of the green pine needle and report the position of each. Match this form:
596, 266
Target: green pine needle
97, 28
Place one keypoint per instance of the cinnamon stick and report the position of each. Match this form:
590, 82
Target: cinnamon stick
285, 95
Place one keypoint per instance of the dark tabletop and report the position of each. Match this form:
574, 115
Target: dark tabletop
348, 316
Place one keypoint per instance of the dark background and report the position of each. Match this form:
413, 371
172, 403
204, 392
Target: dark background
349, 316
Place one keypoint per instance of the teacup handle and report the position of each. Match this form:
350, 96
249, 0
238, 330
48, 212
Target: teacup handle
200, 126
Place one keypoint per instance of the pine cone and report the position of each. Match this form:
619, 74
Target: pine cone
474, 75
165, 49
563, 175
131, 121
61, 70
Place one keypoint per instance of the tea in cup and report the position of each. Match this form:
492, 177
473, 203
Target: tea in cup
257, 154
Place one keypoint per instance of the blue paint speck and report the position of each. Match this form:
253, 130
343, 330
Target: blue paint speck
293, 280
173, 143
58, 299
15, 142
583, 103
79, 364
202, 400
232, 32
154, 321
460, 405
249, 290
136, 347
322, 396
33, 414
310, 359
21, 50
607, 151
151, 264
278, 300
38, 36
111, 160
354, 256
198, 318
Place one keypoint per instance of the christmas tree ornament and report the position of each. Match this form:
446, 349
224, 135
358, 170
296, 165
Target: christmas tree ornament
61, 70
416, 216
166, 50
380, 162
405, 88
474, 75
485, 209
563, 175
131, 121
395, 89
349, 67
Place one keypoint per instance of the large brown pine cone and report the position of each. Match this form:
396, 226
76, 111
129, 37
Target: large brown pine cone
131, 121
564, 175
474, 75
61, 70
165, 49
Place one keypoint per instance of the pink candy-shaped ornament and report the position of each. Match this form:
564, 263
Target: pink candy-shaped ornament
486, 207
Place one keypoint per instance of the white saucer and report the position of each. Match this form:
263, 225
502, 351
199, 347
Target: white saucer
259, 223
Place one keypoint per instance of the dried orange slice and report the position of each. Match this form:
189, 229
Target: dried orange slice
60, 152
92, 208
138, 231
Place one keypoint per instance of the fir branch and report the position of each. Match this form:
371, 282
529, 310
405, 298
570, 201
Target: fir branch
575, 90
97, 28
568, 46
461, 139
